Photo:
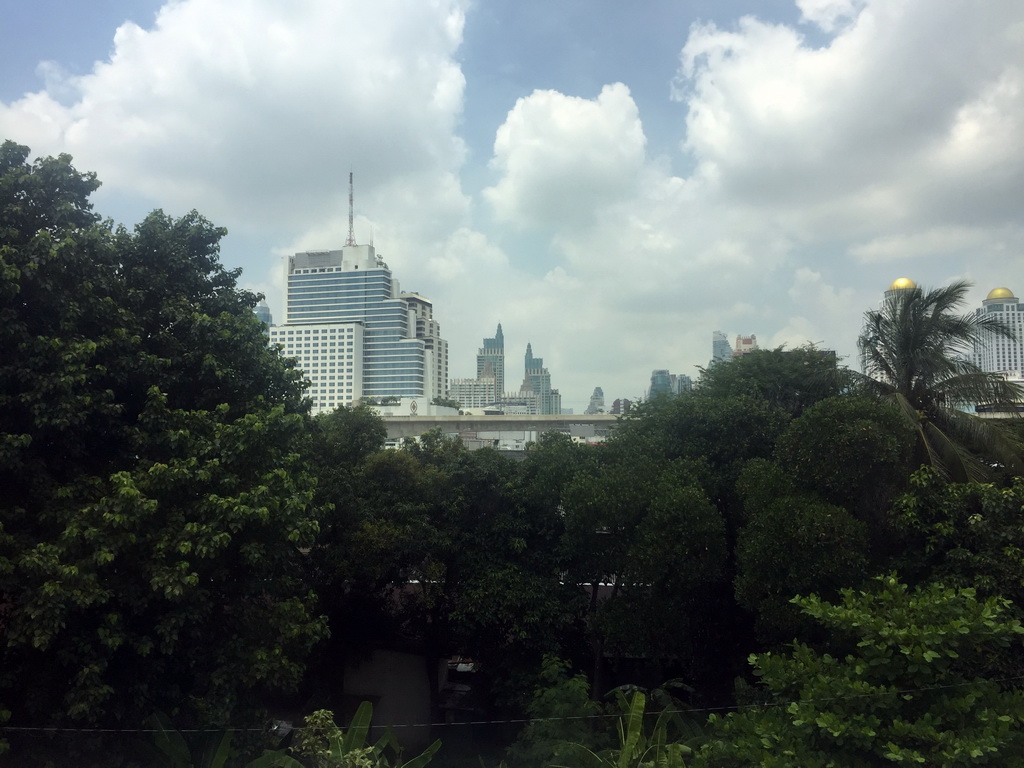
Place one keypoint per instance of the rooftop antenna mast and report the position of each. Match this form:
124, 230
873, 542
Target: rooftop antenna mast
351, 226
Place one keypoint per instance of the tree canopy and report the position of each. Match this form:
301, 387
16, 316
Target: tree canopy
154, 501
906, 681
789, 379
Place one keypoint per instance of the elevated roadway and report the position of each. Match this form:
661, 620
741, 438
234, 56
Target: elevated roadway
414, 426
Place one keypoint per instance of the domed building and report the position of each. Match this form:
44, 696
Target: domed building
900, 284
998, 354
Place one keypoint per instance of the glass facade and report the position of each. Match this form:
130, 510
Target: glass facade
354, 288
490, 360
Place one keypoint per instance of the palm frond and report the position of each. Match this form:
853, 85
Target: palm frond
915, 351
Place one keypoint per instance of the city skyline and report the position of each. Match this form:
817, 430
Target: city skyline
613, 181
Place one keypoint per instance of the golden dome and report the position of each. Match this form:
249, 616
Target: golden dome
902, 284
1000, 293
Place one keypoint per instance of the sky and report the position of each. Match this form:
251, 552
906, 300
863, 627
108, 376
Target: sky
610, 181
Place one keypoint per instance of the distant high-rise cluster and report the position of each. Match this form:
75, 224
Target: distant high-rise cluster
535, 395
355, 334
665, 383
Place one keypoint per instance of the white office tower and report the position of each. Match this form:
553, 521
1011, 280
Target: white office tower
354, 334
481, 392
995, 353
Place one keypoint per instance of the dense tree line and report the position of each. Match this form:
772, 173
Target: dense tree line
179, 536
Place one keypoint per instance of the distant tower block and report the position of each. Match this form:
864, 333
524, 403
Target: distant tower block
745, 345
721, 352
995, 353
490, 360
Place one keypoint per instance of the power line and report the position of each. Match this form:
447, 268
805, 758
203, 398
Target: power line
525, 721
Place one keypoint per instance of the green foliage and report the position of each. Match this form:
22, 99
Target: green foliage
791, 380
909, 684
562, 715
852, 451
965, 534
170, 749
323, 745
647, 530
154, 502
792, 543
719, 431
639, 746
446, 402
346, 436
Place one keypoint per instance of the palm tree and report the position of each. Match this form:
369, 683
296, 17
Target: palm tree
914, 351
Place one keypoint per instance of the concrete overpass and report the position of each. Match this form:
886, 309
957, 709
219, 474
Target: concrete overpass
414, 426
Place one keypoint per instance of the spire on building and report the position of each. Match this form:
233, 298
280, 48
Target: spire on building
351, 217
537, 386
532, 363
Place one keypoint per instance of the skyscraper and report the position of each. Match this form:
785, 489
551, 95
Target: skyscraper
262, 311
596, 402
998, 354
490, 360
660, 383
355, 334
537, 385
721, 352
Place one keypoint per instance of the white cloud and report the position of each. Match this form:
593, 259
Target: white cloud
255, 110
939, 241
898, 113
562, 158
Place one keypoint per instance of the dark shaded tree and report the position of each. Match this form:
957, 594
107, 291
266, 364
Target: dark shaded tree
852, 451
966, 535
789, 379
154, 501
793, 542
646, 545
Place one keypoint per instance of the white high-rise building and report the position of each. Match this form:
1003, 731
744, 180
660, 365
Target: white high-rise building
481, 392
355, 334
995, 353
